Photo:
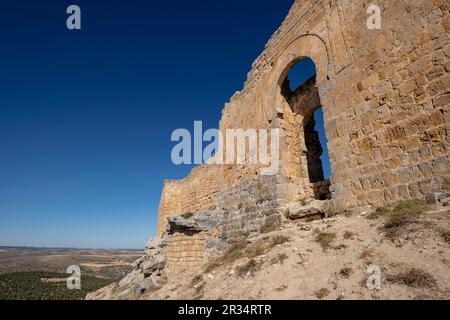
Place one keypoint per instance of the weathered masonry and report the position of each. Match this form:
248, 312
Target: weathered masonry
385, 96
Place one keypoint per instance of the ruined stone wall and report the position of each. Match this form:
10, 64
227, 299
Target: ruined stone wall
302, 104
197, 192
385, 95
388, 121
185, 250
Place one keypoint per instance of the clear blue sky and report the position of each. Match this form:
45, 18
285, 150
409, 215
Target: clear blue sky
86, 116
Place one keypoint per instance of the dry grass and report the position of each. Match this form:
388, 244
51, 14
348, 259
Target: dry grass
302, 201
251, 266
340, 247
199, 291
282, 288
196, 280
379, 212
333, 213
416, 278
322, 293
399, 215
346, 272
324, 238
255, 250
241, 248
233, 253
348, 235
446, 236
314, 217
366, 254
280, 258
277, 240
268, 227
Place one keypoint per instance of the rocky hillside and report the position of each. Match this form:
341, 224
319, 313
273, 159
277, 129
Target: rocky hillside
314, 258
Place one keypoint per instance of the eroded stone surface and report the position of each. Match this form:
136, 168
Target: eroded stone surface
385, 96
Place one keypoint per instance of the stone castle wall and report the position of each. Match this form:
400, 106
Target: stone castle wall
385, 95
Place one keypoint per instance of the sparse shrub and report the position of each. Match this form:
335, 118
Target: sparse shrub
366, 254
446, 236
409, 207
251, 266
197, 279
333, 213
268, 227
212, 264
278, 240
255, 250
313, 218
324, 238
280, 258
346, 272
261, 247
282, 288
241, 249
379, 212
399, 215
233, 253
236, 249
347, 213
302, 201
322, 293
348, 235
340, 247
416, 278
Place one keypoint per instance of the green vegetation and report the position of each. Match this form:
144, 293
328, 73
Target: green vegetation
405, 212
399, 215
28, 286
400, 211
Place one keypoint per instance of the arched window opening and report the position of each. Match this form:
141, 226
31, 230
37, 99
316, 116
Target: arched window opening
299, 90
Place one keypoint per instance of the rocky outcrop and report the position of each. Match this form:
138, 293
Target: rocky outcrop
193, 221
149, 274
313, 209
